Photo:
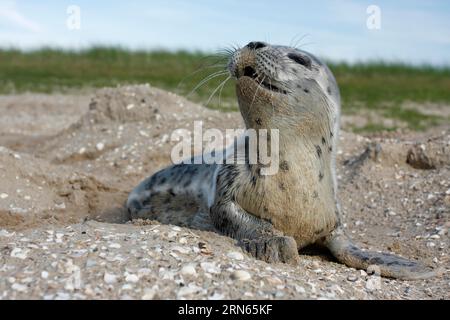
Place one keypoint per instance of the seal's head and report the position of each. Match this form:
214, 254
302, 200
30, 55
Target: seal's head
279, 83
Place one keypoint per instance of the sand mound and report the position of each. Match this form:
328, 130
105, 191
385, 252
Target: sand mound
56, 175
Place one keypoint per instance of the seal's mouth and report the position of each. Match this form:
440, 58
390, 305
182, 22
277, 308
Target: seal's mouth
251, 73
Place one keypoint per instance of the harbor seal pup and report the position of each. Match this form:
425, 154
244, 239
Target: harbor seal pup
272, 216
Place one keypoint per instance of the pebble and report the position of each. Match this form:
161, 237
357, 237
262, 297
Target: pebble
90, 263
115, 246
109, 278
189, 290
216, 296
235, 255
149, 294
274, 280
241, 275
132, 278
19, 287
19, 253
4, 195
188, 270
127, 286
373, 283
4, 233
352, 278
100, 146
44, 274
300, 289
210, 267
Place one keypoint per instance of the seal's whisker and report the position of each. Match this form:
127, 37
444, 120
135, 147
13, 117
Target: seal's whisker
304, 45
220, 92
271, 97
254, 96
218, 87
295, 42
199, 70
208, 78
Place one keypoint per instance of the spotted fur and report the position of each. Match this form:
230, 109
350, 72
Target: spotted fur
271, 216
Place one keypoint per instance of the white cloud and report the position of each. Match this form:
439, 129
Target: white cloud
10, 14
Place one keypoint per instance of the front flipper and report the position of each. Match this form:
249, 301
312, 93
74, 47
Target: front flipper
389, 265
272, 249
255, 235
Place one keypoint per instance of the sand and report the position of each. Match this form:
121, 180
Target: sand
67, 163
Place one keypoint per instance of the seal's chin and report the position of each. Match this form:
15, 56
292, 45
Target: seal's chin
262, 81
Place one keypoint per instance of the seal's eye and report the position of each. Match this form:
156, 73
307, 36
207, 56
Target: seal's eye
303, 60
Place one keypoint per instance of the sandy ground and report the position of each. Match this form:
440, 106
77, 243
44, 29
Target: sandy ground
67, 163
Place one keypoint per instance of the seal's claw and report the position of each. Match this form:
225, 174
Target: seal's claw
273, 249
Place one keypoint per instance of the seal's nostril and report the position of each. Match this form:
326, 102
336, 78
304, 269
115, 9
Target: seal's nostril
256, 45
250, 72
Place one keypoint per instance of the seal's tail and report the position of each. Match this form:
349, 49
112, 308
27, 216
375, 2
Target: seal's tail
388, 265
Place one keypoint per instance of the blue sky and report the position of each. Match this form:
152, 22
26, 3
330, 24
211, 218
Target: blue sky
411, 31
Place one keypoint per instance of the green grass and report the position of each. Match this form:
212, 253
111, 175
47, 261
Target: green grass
377, 82
376, 86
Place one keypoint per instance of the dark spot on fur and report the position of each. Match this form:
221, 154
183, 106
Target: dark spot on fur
265, 209
282, 186
315, 194
284, 165
135, 205
323, 140
254, 181
319, 151
318, 231
306, 90
170, 191
163, 180
146, 202
331, 134
320, 176
376, 260
330, 148
329, 90
258, 121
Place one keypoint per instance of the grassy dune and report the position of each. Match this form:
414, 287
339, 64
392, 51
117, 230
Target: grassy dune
375, 86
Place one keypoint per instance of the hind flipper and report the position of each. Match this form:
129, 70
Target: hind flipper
388, 265
174, 195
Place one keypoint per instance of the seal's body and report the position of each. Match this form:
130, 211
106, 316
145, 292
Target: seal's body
272, 216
